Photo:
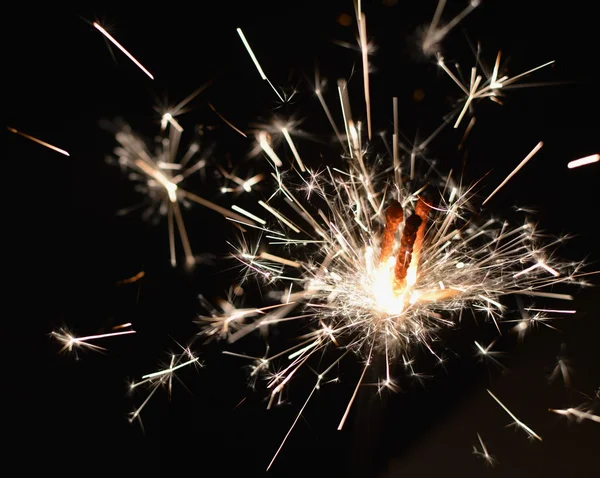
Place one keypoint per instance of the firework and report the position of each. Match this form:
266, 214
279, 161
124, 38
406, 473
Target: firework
376, 258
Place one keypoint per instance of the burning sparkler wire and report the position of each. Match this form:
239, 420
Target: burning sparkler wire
372, 263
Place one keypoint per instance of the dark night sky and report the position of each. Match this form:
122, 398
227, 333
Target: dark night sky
62, 81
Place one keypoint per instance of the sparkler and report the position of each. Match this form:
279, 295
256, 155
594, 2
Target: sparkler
371, 262
375, 264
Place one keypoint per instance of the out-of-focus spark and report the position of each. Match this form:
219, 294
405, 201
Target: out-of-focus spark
466, 134
281, 260
516, 170
161, 174
517, 422
329, 117
483, 452
257, 64
120, 47
38, 141
131, 279
576, 413
562, 368
594, 158
362, 376
364, 48
263, 141
486, 353
292, 146
228, 123
435, 33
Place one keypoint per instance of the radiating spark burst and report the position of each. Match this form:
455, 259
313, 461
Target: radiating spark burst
375, 264
72, 343
161, 170
483, 84
518, 423
579, 413
436, 33
483, 453
163, 378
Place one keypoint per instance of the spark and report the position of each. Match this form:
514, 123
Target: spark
38, 141
483, 452
160, 173
120, 47
594, 158
368, 263
70, 342
531, 154
364, 48
379, 265
577, 413
480, 88
257, 64
163, 378
436, 33
288, 138
227, 122
517, 422
132, 279
562, 368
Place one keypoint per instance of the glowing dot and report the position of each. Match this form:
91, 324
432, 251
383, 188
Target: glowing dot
418, 95
344, 19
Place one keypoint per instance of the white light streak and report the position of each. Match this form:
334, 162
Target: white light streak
120, 47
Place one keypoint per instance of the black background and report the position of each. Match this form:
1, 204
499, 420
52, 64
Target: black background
62, 80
